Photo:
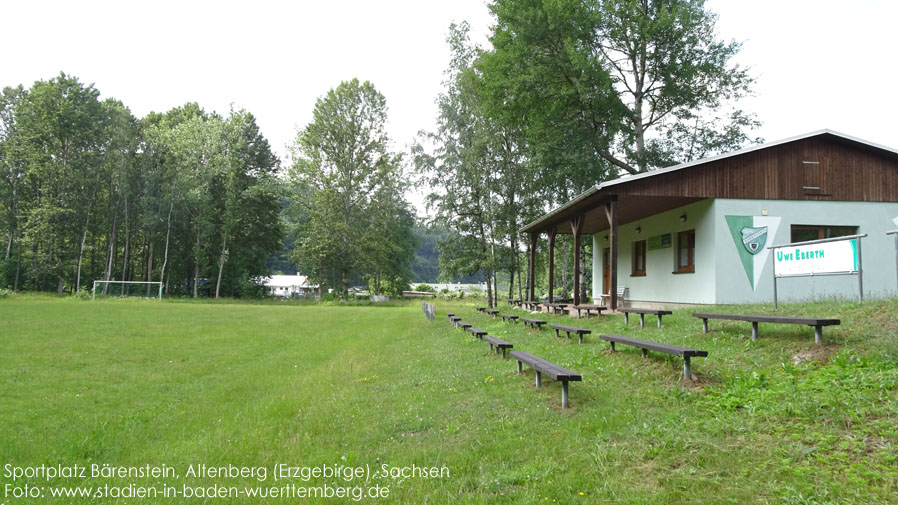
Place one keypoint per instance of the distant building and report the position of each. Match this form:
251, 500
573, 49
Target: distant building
291, 286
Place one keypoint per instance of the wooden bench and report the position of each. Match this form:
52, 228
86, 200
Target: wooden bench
556, 308
506, 317
454, 320
531, 306
817, 323
477, 332
570, 329
541, 366
642, 313
533, 323
450, 315
480, 309
685, 352
497, 344
463, 325
492, 312
589, 309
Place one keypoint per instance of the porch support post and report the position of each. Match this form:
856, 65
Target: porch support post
534, 237
577, 228
611, 214
552, 232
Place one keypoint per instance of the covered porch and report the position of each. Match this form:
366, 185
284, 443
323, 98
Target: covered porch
598, 210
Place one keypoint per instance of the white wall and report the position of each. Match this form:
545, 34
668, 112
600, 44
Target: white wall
660, 283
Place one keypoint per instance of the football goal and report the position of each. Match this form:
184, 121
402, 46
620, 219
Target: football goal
127, 288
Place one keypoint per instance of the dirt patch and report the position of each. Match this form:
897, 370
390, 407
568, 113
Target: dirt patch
819, 353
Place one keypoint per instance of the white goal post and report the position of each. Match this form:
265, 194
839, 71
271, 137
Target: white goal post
94, 295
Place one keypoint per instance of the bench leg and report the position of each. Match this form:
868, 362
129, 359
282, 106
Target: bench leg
581, 337
564, 395
491, 347
659, 321
520, 368
612, 346
687, 372
641, 321
645, 353
704, 326
539, 379
818, 334
754, 331
626, 319
504, 351
556, 333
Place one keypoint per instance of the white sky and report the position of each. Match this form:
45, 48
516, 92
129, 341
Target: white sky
819, 64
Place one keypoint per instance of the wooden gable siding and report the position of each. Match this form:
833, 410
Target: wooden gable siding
846, 172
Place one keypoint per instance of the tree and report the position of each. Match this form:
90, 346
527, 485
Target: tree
343, 173
61, 124
12, 180
638, 83
462, 170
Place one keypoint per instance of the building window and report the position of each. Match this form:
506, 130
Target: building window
639, 258
803, 232
686, 251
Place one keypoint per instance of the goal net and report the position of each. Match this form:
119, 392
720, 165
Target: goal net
133, 289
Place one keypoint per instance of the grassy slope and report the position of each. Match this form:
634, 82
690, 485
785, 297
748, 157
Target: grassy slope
130, 382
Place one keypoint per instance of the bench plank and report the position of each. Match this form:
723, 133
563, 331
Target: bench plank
642, 313
477, 332
685, 352
497, 344
541, 366
533, 323
570, 329
589, 309
506, 317
817, 323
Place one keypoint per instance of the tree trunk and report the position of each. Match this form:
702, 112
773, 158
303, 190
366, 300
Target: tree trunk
196, 264
221, 262
150, 268
81, 255
110, 254
165, 257
127, 248
489, 287
15, 285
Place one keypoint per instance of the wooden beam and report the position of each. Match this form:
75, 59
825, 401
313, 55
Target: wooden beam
552, 232
611, 214
577, 229
534, 237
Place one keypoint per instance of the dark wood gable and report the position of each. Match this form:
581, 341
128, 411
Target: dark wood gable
824, 167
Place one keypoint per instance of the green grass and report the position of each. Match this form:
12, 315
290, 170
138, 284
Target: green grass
132, 382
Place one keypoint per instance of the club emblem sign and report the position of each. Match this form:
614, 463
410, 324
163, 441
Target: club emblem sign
753, 239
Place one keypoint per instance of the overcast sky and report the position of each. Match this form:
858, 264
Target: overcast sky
819, 64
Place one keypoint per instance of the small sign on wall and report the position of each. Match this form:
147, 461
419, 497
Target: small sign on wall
659, 242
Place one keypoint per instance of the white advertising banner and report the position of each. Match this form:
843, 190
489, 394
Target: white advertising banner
812, 259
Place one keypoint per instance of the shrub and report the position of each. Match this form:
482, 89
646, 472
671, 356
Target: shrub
424, 287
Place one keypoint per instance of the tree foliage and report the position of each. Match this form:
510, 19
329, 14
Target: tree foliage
92, 193
634, 84
347, 187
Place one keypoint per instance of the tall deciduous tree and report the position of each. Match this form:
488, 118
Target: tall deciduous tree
639, 83
342, 171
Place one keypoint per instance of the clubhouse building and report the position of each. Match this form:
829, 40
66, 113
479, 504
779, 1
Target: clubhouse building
700, 232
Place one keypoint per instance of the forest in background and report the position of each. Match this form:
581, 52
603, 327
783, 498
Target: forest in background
567, 95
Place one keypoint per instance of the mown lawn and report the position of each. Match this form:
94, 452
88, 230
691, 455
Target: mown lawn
131, 383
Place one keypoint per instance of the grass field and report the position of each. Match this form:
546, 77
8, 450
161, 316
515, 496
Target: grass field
132, 383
